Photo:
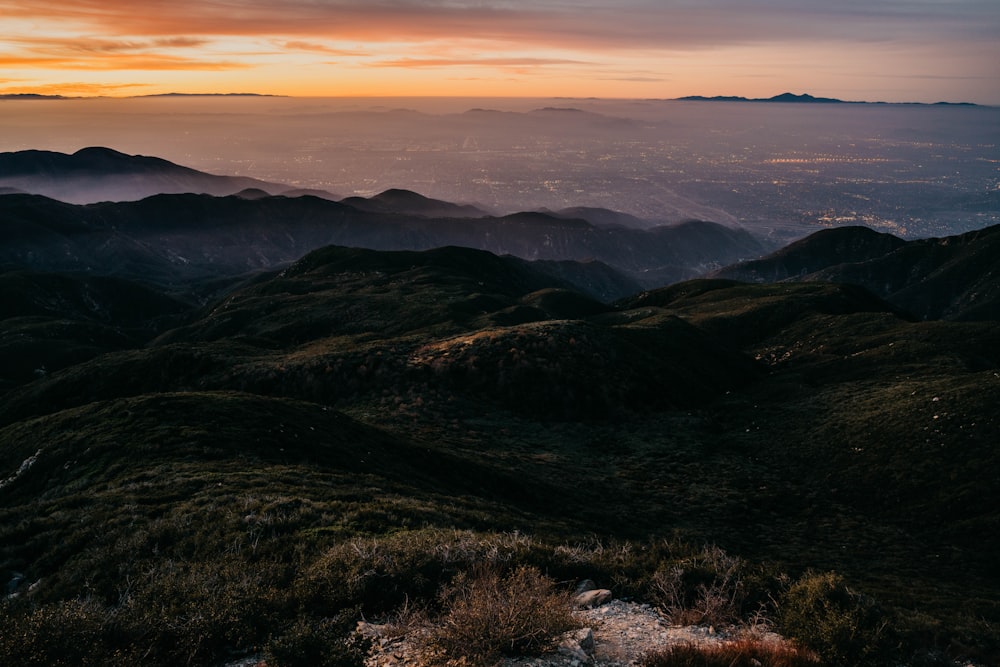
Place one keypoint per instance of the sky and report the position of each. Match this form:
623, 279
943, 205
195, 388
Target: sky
873, 50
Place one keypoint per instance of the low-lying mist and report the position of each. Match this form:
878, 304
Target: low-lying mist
778, 169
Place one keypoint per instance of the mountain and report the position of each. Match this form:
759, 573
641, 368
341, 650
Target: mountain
817, 251
956, 277
411, 203
601, 217
805, 98
31, 96
223, 432
49, 321
457, 313
176, 238
351, 433
101, 174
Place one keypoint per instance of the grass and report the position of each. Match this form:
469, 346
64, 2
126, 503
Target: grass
742, 653
317, 464
488, 614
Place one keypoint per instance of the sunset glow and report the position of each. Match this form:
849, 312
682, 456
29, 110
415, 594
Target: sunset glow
900, 50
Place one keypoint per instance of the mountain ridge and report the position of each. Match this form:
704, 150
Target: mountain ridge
168, 237
806, 98
357, 431
97, 173
953, 277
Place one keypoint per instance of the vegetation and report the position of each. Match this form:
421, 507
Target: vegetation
488, 614
742, 653
843, 627
366, 431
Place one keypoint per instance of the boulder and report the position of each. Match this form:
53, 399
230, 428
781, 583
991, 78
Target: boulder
594, 598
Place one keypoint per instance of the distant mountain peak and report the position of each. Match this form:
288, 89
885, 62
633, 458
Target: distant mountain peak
98, 173
31, 96
398, 200
805, 98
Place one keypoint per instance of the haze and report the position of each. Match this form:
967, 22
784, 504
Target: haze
778, 169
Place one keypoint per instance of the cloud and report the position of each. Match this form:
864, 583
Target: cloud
643, 40
76, 88
92, 45
311, 47
179, 42
585, 25
152, 62
634, 79
475, 62
91, 53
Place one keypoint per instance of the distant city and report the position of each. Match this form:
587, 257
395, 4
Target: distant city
781, 170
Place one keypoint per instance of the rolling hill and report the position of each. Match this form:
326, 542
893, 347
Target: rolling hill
184, 237
227, 422
101, 174
956, 277
364, 404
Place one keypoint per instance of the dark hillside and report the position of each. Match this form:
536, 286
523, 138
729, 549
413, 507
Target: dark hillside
102, 174
50, 321
818, 251
412, 203
956, 278
178, 238
352, 431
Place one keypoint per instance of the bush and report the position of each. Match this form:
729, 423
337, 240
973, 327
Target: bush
379, 574
841, 626
327, 642
73, 632
488, 614
706, 588
743, 653
195, 613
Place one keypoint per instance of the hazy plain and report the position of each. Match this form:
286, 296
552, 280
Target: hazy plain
781, 170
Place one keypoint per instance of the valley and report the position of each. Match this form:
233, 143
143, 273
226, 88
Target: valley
236, 447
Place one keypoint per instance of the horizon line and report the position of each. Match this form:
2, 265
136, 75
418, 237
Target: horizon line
10, 96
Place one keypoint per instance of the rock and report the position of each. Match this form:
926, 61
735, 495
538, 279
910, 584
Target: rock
594, 598
584, 586
372, 630
14, 582
577, 645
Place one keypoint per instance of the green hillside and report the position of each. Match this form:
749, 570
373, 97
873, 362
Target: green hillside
351, 432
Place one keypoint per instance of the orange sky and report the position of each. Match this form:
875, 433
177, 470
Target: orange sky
893, 50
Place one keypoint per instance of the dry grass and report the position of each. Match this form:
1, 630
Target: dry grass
740, 653
489, 614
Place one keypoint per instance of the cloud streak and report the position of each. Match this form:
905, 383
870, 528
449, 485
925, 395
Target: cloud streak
333, 46
475, 62
681, 24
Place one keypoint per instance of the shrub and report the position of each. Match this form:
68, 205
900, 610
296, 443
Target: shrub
488, 614
194, 613
742, 653
707, 588
840, 625
382, 573
73, 632
326, 642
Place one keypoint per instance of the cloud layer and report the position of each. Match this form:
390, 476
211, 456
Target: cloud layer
627, 24
642, 41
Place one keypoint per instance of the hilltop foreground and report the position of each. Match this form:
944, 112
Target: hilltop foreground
312, 441
257, 465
